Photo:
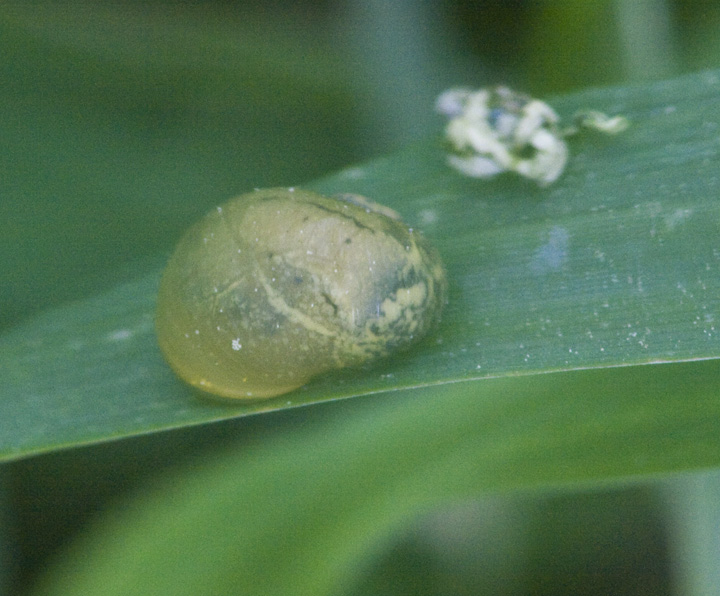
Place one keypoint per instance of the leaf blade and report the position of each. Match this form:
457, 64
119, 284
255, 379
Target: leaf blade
617, 264
303, 513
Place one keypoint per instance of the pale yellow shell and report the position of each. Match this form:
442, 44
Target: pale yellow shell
279, 285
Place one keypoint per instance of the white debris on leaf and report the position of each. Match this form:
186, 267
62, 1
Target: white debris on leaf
597, 121
496, 130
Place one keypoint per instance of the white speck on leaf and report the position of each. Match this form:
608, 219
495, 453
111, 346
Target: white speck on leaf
428, 216
120, 335
552, 255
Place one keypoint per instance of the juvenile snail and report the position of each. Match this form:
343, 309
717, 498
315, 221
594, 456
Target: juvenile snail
279, 285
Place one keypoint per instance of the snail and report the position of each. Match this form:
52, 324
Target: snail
280, 285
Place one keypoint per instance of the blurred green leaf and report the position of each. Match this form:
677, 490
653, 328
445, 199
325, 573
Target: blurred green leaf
119, 127
616, 264
311, 510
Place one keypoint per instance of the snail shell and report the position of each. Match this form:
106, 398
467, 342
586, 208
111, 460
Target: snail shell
279, 285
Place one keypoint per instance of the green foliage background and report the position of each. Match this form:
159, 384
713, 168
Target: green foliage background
121, 124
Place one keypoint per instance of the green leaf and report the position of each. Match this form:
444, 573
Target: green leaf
616, 264
311, 509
